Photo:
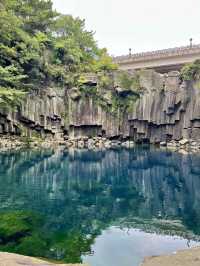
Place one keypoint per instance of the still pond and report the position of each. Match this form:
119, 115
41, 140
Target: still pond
105, 208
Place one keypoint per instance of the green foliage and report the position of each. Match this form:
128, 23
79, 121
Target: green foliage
10, 77
82, 80
115, 103
10, 97
33, 245
71, 245
129, 82
191, 71
89, 91
104, 63
20, 232
105, 81
74, 45
123, 104
23, 232
40, 47
37, 15
16, 224
19, 51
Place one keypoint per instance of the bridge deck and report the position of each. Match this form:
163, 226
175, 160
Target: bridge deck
161, 60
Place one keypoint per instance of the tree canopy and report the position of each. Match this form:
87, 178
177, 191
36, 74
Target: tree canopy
40, 47
191, 71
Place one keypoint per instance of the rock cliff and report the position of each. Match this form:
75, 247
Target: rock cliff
167, 109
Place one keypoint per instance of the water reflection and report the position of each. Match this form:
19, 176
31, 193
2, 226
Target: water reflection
61, 201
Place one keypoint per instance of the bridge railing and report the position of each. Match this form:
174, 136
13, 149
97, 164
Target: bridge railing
177, 51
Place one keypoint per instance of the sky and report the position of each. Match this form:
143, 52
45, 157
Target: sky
142, 25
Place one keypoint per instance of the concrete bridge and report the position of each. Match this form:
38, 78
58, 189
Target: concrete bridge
162, 60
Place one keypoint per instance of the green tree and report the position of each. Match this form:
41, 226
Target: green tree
40, 47
36, 15
75, 46
104, 62
128, 81
191, 71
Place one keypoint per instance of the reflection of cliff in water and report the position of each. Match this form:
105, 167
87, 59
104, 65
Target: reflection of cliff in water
82, 188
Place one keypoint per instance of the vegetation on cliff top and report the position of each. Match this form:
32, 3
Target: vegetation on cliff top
191, 71
40, 47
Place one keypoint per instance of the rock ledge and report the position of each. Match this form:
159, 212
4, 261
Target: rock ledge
190, 257
9, 259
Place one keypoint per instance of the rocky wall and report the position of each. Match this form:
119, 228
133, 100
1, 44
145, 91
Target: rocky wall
166, 110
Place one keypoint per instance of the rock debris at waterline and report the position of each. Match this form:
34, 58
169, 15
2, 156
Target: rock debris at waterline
183, 146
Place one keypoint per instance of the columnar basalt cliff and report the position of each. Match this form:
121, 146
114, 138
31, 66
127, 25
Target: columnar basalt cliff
166, 109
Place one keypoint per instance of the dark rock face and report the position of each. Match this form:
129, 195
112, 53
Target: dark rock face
167, 113
167, 110
40, 113
44, 112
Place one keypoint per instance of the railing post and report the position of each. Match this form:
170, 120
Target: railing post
191, 42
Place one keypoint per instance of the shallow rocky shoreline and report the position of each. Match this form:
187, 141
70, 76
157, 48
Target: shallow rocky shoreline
189, 257
183, 146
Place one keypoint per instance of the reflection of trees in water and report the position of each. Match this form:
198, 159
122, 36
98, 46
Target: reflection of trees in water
25, 232
79, 193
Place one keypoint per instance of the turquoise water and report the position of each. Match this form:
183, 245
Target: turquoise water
108, 208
